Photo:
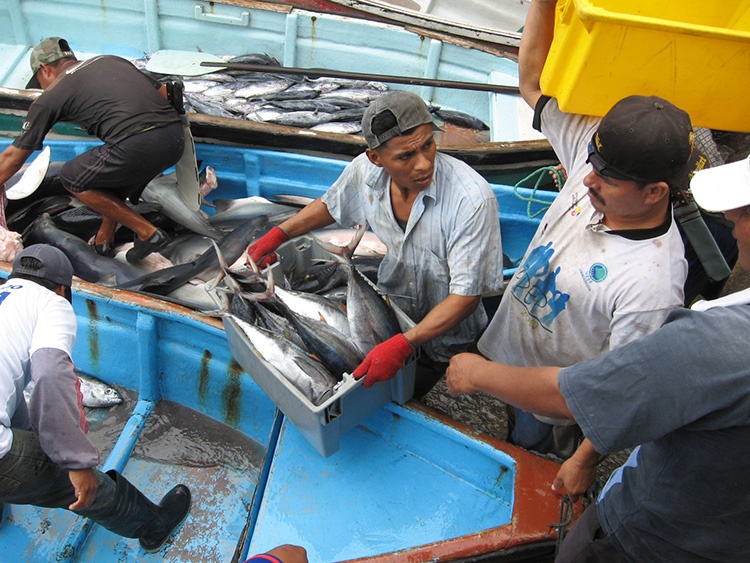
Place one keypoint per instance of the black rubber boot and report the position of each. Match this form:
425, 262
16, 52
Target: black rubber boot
132, 515
173, 509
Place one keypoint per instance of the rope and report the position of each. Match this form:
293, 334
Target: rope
541, 175
566, 517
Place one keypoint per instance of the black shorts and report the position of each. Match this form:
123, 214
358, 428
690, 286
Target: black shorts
128, 166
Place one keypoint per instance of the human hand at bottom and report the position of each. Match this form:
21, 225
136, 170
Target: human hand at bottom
576, 477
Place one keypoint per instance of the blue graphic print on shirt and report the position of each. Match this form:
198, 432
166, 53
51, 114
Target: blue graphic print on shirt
536, 287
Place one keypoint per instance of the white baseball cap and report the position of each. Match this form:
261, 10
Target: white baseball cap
722, 187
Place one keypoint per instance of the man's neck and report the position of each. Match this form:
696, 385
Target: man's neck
642, 222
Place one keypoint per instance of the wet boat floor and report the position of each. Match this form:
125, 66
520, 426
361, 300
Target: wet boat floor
220, 465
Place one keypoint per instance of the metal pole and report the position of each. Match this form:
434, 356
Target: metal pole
321, 72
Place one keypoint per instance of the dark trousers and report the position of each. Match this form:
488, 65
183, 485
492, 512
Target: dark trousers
28, 476
586, 542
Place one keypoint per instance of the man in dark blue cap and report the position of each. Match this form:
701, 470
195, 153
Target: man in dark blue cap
46, 459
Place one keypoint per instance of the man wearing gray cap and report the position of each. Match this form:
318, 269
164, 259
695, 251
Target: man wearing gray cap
439, 220
111, 99
46, 459
679, 396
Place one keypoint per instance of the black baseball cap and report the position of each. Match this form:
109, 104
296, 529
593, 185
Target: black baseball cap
45, 262
643, 139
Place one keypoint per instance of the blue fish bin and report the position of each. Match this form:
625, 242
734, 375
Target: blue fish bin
350, 404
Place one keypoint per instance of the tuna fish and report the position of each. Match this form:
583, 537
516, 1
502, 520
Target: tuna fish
307, 375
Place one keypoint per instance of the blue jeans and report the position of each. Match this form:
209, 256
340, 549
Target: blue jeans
526, 431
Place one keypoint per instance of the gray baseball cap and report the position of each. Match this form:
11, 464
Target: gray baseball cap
49, 51
408, 109
46, 262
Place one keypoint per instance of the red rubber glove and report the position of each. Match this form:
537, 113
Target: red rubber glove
384, 361
262, 251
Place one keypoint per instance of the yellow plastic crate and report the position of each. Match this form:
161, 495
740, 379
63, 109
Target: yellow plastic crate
695, 54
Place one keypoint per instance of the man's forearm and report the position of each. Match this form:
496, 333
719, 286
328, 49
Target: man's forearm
314, 216
535, 43
533, 389
443, 317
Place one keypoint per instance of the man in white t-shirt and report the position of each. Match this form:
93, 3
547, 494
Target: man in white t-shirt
606, 264
46, 459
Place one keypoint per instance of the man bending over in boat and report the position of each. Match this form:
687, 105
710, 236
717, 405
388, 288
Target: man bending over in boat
111, 99
607, 263
680, 396
439, 220
46, 459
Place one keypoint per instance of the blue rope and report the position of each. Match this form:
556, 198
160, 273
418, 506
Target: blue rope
541, 175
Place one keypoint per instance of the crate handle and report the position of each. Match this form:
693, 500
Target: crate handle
243, 19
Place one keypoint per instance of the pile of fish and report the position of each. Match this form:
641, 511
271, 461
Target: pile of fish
333, 105
178, 273
312, 339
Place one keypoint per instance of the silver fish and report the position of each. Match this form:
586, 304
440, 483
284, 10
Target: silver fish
309, 376
331, 346
356, 94
263, 115
342, 127
194, 86
371, 319
303, 118
314, 307
95, 393
257, 90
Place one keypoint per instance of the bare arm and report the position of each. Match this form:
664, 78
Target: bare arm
535, 43
533, 389
313, 216
444, 316
290, 553
11, 161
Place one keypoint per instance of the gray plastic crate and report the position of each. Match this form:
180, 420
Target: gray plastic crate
351, 402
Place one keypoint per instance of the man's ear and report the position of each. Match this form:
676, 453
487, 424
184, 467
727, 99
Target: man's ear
374, 157
656, 192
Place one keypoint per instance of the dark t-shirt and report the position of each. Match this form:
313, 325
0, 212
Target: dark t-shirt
683, 394
106, 95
